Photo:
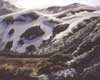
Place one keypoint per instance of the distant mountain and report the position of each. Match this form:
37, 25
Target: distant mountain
6, 7
56, 9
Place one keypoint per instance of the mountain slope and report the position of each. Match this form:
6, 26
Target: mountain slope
61, 47
32, 29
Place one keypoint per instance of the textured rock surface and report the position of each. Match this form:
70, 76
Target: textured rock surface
78, 56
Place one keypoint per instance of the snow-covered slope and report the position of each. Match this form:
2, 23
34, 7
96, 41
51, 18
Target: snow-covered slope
30, 29
17, 31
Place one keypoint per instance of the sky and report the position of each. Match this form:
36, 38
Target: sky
46, 3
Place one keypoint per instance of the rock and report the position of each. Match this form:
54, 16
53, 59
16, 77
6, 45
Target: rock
60, 28
92, 73
31, 15
30, 48
8, 20
8, 45
21, 42
11, 32
32, 33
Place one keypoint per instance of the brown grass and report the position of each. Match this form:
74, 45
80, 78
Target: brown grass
33, 64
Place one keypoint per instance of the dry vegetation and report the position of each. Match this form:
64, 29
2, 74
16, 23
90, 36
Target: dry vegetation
20, 68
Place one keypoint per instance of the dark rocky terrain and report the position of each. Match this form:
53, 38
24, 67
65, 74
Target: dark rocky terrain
76, 57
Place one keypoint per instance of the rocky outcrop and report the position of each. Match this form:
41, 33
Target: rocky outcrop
33, 16
32, 33
8, 45
76, 57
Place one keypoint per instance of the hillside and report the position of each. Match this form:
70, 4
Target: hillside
62, 45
